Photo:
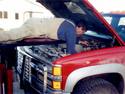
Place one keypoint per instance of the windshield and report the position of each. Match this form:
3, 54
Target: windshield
117, 21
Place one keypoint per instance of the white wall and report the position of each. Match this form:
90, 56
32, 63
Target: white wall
23, 8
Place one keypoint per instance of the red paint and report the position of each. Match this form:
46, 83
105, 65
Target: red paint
9, 74
90, 58
2, 67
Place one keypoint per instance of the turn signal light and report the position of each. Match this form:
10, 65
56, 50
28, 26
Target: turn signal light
57, 71
57, 85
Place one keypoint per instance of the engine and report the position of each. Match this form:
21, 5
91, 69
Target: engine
49, 52
53, 51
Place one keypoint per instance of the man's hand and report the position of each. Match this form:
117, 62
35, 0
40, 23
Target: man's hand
84, 43
62, 55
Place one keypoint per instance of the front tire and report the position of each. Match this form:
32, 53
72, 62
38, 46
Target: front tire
95, 86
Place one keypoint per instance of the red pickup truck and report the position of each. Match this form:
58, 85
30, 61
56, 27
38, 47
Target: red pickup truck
98, 68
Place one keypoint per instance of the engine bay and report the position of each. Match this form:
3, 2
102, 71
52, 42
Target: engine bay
54, 51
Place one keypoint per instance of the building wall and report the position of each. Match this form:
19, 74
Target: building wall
13, 15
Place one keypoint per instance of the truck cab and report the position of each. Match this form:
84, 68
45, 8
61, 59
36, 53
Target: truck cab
96, 68
116, 20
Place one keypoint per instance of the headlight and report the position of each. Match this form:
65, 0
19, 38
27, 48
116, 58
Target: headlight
57, 70
56, 85
57, 74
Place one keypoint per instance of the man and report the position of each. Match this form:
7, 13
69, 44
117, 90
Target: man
54, 28
69, 33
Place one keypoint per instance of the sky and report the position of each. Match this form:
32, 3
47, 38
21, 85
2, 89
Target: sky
31, 0
108, 5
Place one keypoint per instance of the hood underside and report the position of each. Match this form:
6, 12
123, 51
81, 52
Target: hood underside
75, 10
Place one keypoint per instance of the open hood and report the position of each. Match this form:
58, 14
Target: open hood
75, 10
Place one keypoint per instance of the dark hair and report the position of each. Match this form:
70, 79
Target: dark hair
81, 23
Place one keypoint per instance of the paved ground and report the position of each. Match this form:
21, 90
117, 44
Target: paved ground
16, 87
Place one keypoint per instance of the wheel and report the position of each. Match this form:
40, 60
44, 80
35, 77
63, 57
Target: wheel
95, 86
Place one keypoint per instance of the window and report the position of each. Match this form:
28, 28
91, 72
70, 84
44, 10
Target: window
108, 19
5, 15
0, 14
122, 21
16, 16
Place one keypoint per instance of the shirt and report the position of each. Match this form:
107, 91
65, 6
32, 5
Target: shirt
67, 33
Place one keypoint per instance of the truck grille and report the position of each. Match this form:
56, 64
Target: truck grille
19, 62
27, 69
34, 59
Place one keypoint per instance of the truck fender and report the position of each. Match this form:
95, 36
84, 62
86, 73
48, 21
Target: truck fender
82, 73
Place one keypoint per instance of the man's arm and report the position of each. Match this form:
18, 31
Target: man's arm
71, 40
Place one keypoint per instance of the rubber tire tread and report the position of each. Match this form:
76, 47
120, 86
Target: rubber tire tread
92, 86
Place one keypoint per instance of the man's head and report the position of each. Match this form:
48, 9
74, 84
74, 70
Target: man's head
80, 28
